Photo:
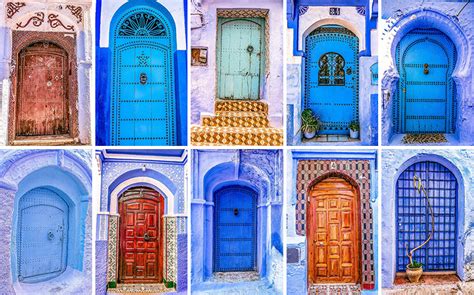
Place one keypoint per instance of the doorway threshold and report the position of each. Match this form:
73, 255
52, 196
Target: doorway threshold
331, 140
139, 289
234, 277
48, 140
430, 284
397, 140
330, 289
427, 279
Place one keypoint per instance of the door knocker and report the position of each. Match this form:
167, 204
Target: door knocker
349, 71
250, 49
50, 235
426, 70
236, 211
147, 237
143, 78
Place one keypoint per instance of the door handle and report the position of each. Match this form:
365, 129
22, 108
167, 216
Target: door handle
426, 69
50, 235
147, 237
143, 78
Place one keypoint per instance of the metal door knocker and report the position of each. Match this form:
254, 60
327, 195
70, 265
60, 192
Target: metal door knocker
236, 211
147, 237
250, 49
143, 78
50, 235
426, 70
349, 71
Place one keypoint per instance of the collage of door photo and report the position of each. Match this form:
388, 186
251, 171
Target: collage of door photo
237, 147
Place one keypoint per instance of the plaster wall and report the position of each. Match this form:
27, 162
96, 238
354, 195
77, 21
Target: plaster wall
204, 80
460, 163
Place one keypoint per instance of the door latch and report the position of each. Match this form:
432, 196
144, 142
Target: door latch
426, 69
236, 211
143, 78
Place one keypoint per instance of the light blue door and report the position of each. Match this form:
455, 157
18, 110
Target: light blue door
42, 236
143, 110
332, 77
240, 57
235, 229
425, 103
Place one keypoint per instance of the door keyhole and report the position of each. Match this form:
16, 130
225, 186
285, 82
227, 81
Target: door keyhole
143, 78
250, 49
147, 237
236, 211
426, 70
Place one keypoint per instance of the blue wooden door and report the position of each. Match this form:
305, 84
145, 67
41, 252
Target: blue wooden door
414, 219
143, 110
42, 235
425, 103
235, 229
240, 57
332, 77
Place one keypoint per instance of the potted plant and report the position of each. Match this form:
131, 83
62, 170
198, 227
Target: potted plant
414, 269
310, 123
354, 129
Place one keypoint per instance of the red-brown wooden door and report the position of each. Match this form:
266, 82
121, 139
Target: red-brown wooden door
42, 104
333, 238
141, 258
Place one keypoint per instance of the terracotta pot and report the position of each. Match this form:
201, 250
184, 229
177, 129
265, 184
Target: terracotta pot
414, 274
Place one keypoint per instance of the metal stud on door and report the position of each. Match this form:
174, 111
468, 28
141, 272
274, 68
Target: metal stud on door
42, 235
425, 101
240, 57
332, 77
235, 229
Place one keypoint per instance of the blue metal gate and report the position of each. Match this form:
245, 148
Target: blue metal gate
143, 106
426, 92
414, 220
235, 229
332, 77
42, 236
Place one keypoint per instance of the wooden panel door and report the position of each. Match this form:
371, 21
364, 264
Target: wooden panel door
42, 105
141, 211
333, 233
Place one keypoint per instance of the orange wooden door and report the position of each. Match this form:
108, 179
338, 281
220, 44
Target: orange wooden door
333, 233
42, 105
141, 259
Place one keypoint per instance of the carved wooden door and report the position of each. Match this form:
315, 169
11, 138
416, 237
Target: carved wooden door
42, 103
42, 236
141, 212
333, 234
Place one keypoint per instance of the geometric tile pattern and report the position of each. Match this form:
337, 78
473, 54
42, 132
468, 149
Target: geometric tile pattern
236, 119
171, 249
112, 249
333, 289
310, 172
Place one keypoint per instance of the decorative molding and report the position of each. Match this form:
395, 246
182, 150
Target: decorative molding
13, 8
361, 10
37, 20
76, 11
303, 9
112, 249
55, 22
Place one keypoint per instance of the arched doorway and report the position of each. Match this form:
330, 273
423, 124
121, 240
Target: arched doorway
143, 103
240, 57
42, 90
141, 212
413, 219
42, 235
425, 102
235, 223
333, 232
331, 77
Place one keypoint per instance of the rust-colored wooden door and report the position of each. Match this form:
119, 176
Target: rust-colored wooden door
42, 104
141, 212
333, 233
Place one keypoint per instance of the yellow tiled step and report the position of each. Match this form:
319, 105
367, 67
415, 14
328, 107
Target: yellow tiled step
236, 119
241, 106
236, 136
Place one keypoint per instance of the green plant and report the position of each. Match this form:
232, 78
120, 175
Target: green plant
415, 264
309, 121
354, 126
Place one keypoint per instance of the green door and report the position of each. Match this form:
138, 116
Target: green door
240, 58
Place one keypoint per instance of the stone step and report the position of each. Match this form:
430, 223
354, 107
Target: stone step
51, 140
206, 135
241, 106
236, 119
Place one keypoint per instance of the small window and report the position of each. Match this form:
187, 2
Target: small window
374, 71
331, 70
199, 56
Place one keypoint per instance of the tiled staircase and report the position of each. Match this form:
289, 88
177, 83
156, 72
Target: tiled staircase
237, 122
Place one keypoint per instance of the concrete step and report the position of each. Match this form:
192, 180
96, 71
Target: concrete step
205, 135
236, 119
241, 106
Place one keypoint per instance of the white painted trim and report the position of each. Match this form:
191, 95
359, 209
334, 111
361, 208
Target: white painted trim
148, 158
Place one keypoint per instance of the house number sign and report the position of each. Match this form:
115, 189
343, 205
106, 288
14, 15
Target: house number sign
334, 11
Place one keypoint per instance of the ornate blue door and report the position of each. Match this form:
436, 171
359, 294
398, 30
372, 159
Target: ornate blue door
332, 77
235, 229
414, 219
143, 110
425, 61
240, 57
42, 235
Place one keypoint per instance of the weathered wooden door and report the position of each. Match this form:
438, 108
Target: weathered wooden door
332, 77
143, 105
42, 235
426, 93
42, 103
240, 57
235, 228
414, 218
333, 232
141, 249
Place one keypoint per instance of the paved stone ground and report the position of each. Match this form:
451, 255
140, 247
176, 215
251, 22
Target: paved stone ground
260, 287
334, 289
460, 288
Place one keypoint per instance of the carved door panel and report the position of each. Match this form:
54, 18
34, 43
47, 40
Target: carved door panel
42, 105
332, 77
141, 211
241, 55
426, 92
235, 229
42, 236
333, 234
